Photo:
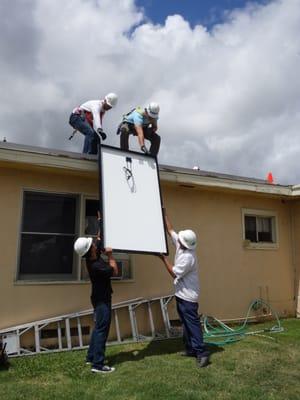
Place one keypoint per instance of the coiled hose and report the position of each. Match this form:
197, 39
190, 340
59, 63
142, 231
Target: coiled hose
220, 334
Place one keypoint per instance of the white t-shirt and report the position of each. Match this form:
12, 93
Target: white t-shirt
96, 108
186, 271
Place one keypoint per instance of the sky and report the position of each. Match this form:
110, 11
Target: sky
225, 73
205, 12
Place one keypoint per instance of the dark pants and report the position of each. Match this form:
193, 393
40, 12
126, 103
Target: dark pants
79, 122
102, 318
192, 331
128, 129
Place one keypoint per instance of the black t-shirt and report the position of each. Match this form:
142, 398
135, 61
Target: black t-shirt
100, 273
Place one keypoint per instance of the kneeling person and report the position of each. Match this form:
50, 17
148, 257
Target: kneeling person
141, 122
87, 119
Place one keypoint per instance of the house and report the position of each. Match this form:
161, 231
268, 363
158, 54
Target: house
248, 232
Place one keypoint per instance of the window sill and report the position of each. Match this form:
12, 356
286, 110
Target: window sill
123, 281
113, 281
34, 283
259, 246
28, 283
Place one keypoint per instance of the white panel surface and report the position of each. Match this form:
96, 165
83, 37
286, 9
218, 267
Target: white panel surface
131, 202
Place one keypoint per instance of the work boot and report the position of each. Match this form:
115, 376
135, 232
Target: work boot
202, 361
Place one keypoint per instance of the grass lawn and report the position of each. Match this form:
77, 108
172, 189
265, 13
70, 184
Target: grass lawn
255, 368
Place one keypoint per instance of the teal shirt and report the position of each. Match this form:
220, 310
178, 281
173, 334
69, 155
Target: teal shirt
137, 118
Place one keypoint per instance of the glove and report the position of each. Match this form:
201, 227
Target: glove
145, 150
101, 133
119, 130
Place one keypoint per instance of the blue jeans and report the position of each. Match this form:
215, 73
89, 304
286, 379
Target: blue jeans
127, 129
79, 122
96, 351
192, 331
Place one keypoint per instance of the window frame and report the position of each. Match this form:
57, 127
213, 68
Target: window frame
247, 244
64, 279
46, 278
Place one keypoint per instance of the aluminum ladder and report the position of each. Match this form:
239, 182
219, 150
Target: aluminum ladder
12, 336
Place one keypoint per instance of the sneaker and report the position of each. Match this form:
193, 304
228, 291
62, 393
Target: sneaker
202, 361
103, 370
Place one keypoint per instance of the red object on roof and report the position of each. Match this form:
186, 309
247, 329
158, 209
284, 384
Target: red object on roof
270, 178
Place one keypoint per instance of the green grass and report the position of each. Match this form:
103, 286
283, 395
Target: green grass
256, 368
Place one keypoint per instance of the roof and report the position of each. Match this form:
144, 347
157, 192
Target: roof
78, 162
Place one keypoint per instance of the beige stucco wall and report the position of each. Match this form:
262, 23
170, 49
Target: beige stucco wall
231, 276
23, 302
295, 216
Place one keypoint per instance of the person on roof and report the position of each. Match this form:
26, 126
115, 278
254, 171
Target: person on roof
141, 122
186, 282
87, 119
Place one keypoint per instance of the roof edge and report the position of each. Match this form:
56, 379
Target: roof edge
51, 158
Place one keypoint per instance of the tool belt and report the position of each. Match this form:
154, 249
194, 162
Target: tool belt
78, 111
126, 127
84, 115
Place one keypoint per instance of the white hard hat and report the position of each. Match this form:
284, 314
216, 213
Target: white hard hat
153, 110
111, 99
188, 238
82, 245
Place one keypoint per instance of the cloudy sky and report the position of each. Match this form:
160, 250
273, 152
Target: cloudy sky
225, 73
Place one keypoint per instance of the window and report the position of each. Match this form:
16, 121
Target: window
91, 223
91, 229
47, 236
260, 228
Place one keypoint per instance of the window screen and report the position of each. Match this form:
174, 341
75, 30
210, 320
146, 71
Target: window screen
259, 229
47, 236
91, 222
250, 228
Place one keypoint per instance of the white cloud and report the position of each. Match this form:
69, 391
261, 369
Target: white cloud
229, 97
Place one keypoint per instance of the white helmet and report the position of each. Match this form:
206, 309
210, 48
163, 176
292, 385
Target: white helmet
153, 110
188, 238
82, 245
111, 99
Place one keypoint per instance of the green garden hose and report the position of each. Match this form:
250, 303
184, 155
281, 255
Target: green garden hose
218, 333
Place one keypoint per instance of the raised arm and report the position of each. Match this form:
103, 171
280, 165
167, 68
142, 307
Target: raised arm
111, 261
168, 265
99, 225
168, 223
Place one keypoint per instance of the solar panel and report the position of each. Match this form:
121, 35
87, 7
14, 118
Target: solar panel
130, 202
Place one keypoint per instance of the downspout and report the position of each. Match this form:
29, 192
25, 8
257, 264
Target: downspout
294, 261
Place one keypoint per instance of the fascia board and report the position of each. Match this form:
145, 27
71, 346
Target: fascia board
84, 165
50, 161
296, 190
225, 184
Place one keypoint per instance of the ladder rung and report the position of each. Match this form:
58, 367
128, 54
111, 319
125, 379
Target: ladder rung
16, 332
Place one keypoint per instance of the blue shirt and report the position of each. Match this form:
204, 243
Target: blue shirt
137, 117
